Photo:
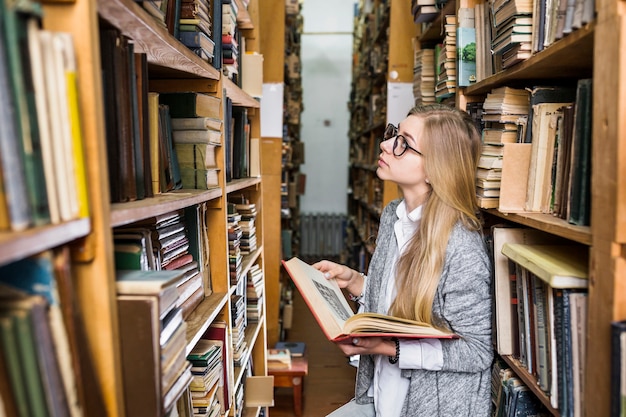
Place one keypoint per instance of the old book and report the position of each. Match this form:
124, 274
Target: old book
31, 313
542, 155
13, 176
561, 266
618, 368
22, 94
335, 316
140, 354
278, 358
218, 330
514, 181
192, 104
202, 179
197, 136
161, 284
580, 172
196, 123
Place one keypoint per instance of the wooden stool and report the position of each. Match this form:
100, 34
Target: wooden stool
292, 377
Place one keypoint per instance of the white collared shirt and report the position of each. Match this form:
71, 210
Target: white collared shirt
389, 388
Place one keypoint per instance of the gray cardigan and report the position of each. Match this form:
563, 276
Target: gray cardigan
463, 304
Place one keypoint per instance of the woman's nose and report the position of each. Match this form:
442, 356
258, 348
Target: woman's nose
386, 145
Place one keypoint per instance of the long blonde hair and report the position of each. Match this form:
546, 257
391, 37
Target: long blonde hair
451, 147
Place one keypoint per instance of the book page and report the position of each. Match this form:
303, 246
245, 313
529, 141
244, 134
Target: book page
323, 296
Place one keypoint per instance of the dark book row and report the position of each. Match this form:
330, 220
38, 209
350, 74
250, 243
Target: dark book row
42, 169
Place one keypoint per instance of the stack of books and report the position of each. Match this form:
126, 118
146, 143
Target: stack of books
238, 330
162, 243
278, 358
194, 29
424, 10
196, 132
230, 46
235, 257
247, 210
254, 293
445, 86
153, 340
424, 76
505, 112
512, 30
207, 370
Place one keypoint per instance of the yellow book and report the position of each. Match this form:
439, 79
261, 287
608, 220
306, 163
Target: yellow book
153, 115
80, 171
561, 266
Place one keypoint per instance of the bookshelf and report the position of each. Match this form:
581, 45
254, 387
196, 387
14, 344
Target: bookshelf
171, 67
382, 54
592, 51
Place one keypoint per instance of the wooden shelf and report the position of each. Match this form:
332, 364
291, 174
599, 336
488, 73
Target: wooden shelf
19, 245
241, 183
238, 96
244, 21
553, 63
162, 49
125, 213
548, 223
201, 318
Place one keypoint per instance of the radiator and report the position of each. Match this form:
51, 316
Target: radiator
322, 234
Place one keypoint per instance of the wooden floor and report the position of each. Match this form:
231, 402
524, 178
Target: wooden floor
330, 382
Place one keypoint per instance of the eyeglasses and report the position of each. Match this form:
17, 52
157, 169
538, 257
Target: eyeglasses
400, 145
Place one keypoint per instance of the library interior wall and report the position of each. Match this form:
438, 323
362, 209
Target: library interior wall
326, 57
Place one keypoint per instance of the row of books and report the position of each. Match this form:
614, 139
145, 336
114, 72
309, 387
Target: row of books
499, 34
166, 243
40, 329
532, 141
541, 296
42, 171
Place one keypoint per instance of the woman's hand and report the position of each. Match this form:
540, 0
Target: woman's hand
367, 346
346, 277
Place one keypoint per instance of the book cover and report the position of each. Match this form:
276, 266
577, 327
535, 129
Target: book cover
23, 97
335, 316
140, 354
145, 282
31, 312
580, 178
514, 177
191, 104
618, 368
196, 155
561, 266
196, 123
15, 187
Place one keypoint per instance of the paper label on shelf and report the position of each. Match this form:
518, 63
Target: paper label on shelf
399, 101
272, 110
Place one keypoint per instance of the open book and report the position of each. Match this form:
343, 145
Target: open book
336, 318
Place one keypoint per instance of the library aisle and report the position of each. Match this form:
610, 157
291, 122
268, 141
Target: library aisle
330, 382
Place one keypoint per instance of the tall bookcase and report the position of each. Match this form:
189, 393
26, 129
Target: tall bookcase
172, 67
382, 57
593, 51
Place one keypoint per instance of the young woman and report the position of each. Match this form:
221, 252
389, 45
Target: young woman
430, 265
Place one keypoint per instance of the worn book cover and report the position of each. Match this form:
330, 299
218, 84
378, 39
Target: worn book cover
335, 316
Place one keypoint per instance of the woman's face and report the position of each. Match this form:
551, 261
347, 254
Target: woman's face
406, 170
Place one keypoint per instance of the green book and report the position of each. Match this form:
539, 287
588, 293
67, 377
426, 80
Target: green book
16, 16
10, 350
